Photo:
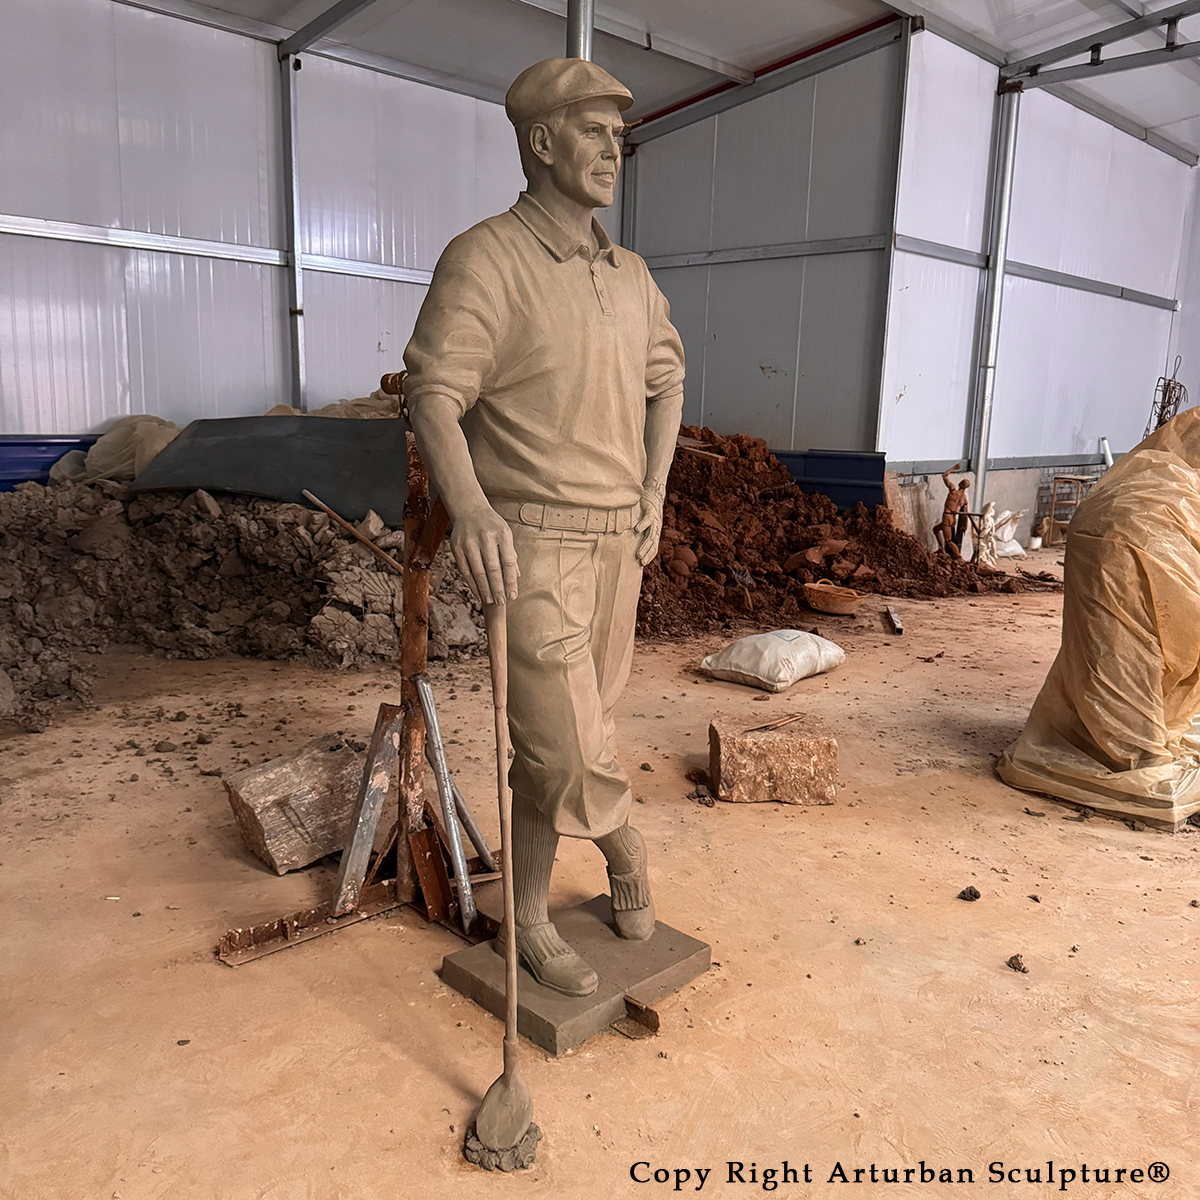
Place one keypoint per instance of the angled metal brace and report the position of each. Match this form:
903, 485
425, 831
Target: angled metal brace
1108, 66
1093, 43
321, 25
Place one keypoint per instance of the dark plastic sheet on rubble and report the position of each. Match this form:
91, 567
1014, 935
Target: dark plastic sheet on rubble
351, 465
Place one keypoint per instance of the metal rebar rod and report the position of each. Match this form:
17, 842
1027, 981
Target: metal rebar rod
473, 831
467, 818
441, 772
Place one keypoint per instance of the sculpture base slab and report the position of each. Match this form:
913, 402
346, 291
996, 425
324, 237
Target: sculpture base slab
646, 971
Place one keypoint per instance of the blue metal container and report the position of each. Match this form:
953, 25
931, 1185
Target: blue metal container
845, 476
30, 456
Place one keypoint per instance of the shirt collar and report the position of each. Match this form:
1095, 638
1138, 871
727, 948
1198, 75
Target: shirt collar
555, 238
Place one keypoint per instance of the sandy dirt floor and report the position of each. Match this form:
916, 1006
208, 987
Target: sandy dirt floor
856, 1013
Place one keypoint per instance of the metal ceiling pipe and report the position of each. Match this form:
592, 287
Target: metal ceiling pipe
581, 21
989, 337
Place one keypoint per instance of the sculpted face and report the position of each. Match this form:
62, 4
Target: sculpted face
582, 151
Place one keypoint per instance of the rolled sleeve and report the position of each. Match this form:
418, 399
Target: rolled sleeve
452, 351
664, 357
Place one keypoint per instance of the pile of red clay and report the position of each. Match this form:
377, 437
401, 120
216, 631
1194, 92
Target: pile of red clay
740, 540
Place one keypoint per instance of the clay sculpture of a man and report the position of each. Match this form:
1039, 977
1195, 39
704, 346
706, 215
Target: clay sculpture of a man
950, 529
545, 389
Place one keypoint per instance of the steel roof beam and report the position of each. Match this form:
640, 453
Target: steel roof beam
648, 40
1105, 37
1109, 66
319, 26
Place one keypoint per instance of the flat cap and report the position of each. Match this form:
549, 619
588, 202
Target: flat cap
553, 82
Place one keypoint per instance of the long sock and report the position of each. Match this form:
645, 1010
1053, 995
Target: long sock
535, 843
623, 849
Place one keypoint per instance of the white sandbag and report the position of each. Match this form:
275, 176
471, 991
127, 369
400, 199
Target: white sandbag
774, 661
1007, 545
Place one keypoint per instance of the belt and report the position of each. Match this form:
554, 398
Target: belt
569, 516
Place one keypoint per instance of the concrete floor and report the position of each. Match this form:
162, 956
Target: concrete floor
857, 1012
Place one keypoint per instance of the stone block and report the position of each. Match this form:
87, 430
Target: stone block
792, 765
297, 808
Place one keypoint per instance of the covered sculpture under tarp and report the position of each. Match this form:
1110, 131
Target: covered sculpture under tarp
1116, 725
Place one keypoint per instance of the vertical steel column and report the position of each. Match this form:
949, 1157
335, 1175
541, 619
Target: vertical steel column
289, 66
1000, 207
910, 27
581, 20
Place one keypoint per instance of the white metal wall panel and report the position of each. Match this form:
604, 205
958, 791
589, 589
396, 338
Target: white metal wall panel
1073, 366
686, 290
58, 96
205, 336
841, 352
853, 176
674, 191
498, 177
763, 160
786, 349
425, 148
63, 347
363, 324
750, 352
947, 144
338, 168
391, 170
1093, 201
928, 373
199, 128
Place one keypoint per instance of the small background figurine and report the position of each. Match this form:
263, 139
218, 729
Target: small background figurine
950, 529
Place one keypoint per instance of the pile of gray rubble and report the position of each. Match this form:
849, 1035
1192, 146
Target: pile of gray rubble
83, 566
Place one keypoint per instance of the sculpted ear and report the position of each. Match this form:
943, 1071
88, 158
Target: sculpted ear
539, 143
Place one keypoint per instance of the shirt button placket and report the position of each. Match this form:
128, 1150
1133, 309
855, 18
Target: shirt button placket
601, 290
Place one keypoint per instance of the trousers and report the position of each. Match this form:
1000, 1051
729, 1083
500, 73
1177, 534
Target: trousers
570, 648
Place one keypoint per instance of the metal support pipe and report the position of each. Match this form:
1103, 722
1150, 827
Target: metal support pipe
289, 67
445, 788
989, 336
581, 21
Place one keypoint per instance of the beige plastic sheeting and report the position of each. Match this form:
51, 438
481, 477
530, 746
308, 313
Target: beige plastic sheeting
121, 453
1116, 724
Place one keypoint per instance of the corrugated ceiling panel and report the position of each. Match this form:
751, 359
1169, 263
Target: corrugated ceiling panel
206, 336
928, 373
1093, 201
63, 358
199, 121
357, 329
58, 96
947, 144
1073, 367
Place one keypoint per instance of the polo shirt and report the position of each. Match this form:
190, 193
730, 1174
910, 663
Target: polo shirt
551, 352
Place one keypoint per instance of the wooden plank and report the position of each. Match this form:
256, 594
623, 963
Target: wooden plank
377, 774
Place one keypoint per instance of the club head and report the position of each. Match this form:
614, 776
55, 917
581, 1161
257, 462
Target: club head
505, 1113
